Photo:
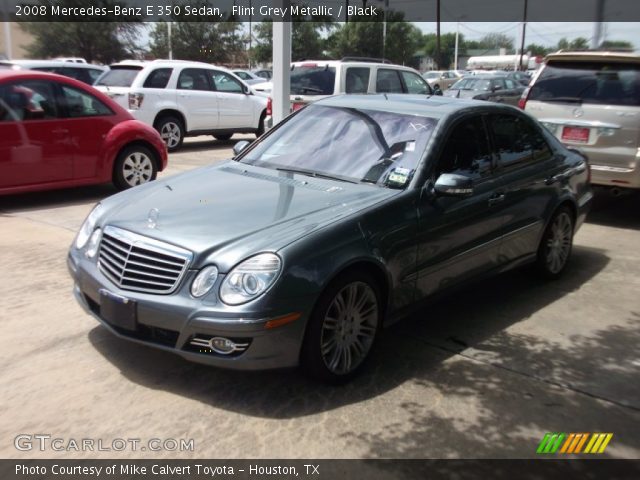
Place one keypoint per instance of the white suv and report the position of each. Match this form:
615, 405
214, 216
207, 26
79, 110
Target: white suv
180, 98
312, 80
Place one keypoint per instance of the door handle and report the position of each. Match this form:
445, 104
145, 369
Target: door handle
59, 131
496, 198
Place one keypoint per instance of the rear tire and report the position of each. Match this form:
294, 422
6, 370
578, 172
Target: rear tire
172, 132
342, 328
556, 244
261, 126
135, 165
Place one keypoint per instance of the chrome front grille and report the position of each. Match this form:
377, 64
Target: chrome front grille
141, 264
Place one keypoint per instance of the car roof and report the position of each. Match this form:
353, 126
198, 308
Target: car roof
49, 63
335, 63
9, 75
587, 56
433, 106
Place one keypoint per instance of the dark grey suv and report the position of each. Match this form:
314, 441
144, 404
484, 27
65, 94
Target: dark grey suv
336, 223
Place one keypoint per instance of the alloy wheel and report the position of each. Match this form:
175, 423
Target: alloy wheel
349, 328
559, 243
171, 134
137, 168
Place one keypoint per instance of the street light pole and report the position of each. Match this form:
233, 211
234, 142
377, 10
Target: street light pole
438, 34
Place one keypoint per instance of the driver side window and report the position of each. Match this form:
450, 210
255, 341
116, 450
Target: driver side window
466, 150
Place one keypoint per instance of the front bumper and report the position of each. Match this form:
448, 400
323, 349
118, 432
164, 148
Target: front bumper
172, 322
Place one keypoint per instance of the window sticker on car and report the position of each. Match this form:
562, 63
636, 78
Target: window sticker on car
418, 126
399, 176
411, 146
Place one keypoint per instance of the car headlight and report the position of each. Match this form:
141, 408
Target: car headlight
204, 281
86, 230
250, 279
94, 243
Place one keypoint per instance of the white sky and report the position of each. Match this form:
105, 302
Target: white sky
542, 33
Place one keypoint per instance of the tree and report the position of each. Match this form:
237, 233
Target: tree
306, 38
536, 49
202, 40
364, 39
617, 45
103, 42
579, 43
447, 47
496, 40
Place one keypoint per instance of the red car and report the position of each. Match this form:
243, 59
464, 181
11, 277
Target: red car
57, 132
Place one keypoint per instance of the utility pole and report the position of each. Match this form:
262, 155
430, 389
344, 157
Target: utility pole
524, 28
169, 40
438, 34
384, 29
455, 54
597, 27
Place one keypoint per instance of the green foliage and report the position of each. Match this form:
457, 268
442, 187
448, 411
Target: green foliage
364, 39
203, 40
617, 45
103, 42
447, 47
306, 38
536, 49
579, 43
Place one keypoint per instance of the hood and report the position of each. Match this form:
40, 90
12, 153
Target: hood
231, 210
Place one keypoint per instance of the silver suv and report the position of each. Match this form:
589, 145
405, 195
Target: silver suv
591, 100
313, 80
180, 98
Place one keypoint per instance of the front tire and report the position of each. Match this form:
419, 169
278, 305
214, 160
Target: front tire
342, 328
556, 244
172, 132
135, 165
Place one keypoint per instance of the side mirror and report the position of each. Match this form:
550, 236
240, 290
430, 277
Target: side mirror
437, 91
496, 88
246, 90
453, 185
239, 147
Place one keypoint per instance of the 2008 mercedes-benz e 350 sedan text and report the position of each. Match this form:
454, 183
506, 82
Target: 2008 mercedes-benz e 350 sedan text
331, 226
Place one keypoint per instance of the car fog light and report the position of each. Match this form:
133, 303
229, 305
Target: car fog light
222, 345
94, 242
204, 281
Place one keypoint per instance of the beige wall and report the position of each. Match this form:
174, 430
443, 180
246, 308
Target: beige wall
19, 40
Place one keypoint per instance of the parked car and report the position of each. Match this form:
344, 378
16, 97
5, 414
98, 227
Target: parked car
248, 77
441, 79
312, 80
180, 99
331, 226
591, 101
494, 88
85, 72
57, 132
263, 73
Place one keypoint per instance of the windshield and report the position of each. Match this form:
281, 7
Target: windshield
312, 80
349, 144
119, 77
607, 83
472, 84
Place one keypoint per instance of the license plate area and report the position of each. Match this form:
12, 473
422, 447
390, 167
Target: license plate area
575, 134
118, 311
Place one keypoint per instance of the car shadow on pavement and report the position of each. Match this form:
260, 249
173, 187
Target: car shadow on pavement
203, 143
24, 202
430, 350
619, 212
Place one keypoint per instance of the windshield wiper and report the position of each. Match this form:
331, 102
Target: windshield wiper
312, 173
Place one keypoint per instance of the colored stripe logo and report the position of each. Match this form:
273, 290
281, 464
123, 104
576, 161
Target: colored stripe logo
568, 443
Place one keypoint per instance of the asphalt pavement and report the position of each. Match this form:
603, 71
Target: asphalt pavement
483, 373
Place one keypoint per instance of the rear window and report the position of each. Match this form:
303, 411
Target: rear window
313, 80
119, 76
605, 83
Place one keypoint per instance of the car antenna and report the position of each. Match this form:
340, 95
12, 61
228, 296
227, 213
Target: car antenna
385, 96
